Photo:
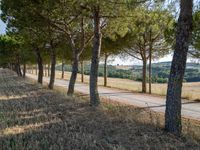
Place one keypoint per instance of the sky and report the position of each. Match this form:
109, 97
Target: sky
129, 61
2, 27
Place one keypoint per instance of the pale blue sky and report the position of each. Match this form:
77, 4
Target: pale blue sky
2, 27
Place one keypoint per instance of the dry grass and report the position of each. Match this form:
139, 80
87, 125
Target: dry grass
191, 91
35, 118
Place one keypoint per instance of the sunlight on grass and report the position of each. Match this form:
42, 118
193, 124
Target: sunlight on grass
191, 91
25, 128
3, 97
30, 112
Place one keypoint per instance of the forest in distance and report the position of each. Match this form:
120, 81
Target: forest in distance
160, 71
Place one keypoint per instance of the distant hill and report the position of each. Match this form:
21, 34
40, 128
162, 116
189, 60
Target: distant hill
166, 64
126, 67
160, 72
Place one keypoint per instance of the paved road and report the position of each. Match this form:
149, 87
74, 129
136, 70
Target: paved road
190, 109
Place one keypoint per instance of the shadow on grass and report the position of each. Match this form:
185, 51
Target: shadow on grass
50, 121
47, 120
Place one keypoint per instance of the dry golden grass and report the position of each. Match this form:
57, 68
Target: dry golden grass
191, 91
45, 119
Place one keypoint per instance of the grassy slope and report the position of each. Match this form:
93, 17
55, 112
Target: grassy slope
32, 117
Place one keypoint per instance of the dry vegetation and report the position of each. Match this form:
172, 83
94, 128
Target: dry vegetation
191, 91
32, 117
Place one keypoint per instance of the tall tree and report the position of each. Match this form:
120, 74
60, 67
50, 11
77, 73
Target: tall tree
10, 53
71, 20
145, 39
183, 37
19, 16
102, 12
94, 95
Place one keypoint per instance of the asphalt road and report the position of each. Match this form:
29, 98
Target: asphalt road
190, 109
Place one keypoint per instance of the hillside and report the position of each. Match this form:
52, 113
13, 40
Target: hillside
160, 72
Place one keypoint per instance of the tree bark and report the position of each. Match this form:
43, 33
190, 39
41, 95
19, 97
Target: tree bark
32, 69
18, 69
40, 66
150, 67
36, 69
53, 67
63, 71
82, 71
24, 70
48, 69
173, 104
105, 70
73, 75
45, 70
94, 95
10, 66
144, 75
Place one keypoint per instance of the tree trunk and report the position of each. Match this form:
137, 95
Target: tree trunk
73, 75
32, 69
48, 70
94, 95
10, 66
53, 67
40, 66
24, 70
144, 79
18, 69
150, 67
45, 70
63, 71
82, 71
173, 103
36, 69
105, 70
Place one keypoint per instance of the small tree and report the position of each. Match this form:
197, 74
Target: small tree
110, 46
10, 53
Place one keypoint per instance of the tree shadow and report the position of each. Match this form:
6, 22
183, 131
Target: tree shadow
54, 122
44, 119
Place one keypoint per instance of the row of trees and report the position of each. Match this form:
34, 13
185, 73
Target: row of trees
57, 31
78, 30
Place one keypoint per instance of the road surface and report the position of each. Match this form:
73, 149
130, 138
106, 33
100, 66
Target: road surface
190, 109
